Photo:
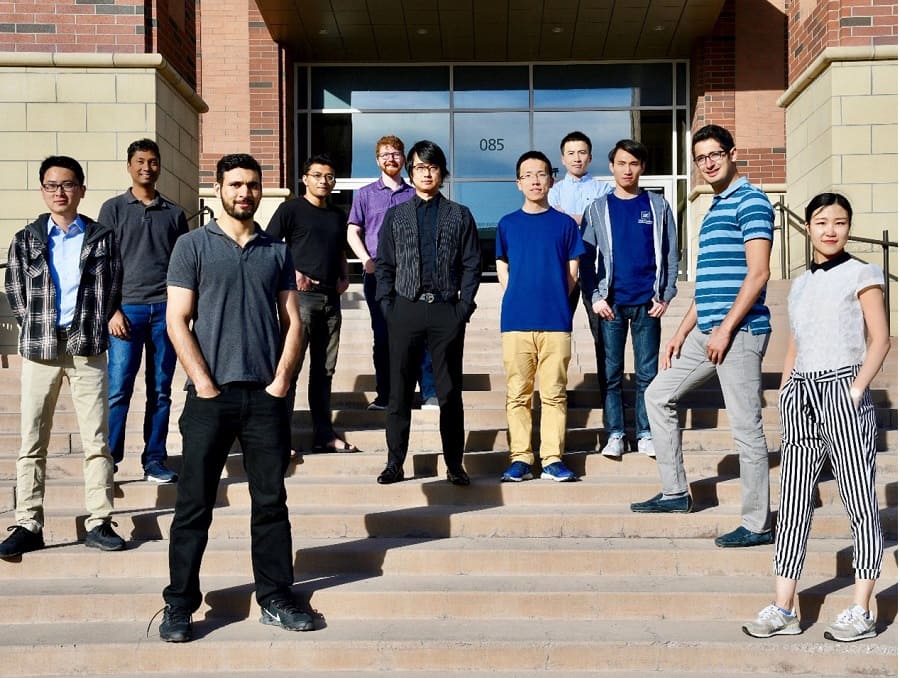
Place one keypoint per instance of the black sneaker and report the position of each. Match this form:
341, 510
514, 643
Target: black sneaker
103, 537
176, 625
285, 613
22, 540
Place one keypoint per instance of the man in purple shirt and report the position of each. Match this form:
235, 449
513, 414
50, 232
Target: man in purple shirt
370, 204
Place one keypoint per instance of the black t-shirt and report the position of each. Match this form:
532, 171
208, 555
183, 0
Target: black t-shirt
317, 237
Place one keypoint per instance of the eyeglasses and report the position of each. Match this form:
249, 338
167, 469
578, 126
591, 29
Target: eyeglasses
53, 187
715, 156
387, 155
426, 169
329, 178
531, 176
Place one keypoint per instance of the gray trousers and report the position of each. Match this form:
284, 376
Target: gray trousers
740, 376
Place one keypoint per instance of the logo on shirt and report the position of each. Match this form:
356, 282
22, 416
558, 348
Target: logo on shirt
646, 217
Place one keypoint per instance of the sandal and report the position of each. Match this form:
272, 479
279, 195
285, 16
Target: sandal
336, 445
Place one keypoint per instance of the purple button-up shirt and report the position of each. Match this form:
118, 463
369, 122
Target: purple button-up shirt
370, 204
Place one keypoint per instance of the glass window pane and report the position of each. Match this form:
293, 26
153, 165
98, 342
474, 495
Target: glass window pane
681, 84
604, 128
488, 144
603, 85
656, 134
399, 88
350, 138
300, 87
681, 133
488, 200
490, 87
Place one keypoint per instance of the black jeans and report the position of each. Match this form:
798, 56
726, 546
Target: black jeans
208, 429
321, 336
411, 324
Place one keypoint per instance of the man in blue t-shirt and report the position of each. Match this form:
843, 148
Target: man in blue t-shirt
725, 333
628, 273
537, 265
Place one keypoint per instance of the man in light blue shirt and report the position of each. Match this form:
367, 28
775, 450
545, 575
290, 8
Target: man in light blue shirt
578, 189
572, 195
65, 260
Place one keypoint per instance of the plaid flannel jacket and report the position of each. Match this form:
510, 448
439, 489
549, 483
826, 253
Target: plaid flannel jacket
32, 294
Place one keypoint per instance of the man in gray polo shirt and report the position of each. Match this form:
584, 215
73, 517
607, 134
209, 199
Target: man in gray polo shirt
147, 224
235, 322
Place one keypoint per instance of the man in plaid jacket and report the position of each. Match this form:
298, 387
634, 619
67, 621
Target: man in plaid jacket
63, 282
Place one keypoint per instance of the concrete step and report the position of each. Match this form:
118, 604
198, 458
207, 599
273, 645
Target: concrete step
552, 598
671, 647
464, 556
462, 520
353, 491
698, 464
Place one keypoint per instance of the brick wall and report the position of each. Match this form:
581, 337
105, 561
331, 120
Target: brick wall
103, 26
242, 83
737, 73
815, 25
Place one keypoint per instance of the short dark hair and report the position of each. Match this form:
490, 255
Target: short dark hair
143, 145
635, 148
825, 200
64, 161
533, 155
576, 136
720, 134
236, 161
429, 152
319, 159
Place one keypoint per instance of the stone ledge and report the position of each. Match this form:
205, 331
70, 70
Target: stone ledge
74, 60
832, 55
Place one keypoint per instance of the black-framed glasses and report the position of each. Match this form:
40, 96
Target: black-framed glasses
387, 155
715, 156
53, 187
318, 176
426, 169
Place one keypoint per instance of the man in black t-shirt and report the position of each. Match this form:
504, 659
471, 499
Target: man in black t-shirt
316, 233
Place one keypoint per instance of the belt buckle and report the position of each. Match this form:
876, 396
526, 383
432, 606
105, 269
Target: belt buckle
428, 298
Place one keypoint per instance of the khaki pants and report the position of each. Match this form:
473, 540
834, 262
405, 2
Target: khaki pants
547, 355
41, 381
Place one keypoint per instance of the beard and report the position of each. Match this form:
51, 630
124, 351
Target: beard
239, 213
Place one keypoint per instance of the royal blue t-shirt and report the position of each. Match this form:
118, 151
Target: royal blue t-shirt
634, 263
538, 248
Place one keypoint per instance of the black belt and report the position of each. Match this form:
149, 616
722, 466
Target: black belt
63, 333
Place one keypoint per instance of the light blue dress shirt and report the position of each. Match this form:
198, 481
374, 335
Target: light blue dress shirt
573, 196
65, 267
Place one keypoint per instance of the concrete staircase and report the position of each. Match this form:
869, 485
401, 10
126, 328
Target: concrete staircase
425, 579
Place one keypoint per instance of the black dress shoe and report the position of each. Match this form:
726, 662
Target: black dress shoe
458, 477
391, 474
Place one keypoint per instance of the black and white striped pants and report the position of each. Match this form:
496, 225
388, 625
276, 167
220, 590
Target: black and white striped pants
818, 419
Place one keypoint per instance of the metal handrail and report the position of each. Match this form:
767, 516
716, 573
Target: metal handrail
204, 209
792, 220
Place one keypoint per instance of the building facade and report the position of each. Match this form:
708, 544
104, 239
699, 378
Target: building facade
809, 88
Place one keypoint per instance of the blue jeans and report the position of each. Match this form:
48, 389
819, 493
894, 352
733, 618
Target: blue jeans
381, 351
147, 330
645, 337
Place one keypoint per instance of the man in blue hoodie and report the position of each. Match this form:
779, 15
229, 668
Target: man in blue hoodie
628, 275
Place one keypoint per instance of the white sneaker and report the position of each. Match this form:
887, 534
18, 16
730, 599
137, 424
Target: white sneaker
771, 621
854, 623
431, 403
645, 446
614, 447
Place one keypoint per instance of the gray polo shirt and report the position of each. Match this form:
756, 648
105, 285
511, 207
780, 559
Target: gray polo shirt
146, 235
236, 322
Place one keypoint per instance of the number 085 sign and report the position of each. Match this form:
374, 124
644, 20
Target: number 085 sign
493, 144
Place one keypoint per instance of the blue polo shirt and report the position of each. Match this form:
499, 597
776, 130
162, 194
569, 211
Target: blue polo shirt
740, 213
573, 196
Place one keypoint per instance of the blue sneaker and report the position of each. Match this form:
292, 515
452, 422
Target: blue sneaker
559, 472
156, 472
516, 473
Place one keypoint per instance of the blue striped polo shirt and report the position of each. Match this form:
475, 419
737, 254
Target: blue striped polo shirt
740, 213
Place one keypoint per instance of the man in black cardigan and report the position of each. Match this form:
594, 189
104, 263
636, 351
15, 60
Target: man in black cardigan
427, 270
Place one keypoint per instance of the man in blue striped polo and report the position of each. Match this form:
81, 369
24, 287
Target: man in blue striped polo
725, 332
